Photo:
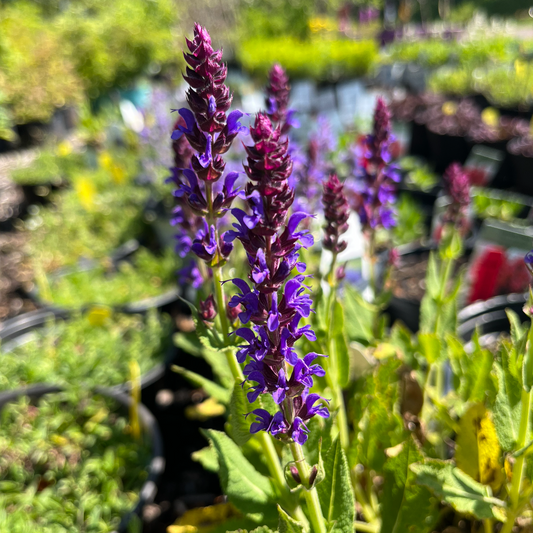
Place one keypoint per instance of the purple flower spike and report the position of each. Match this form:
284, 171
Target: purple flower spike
276, 301
457, 187
528, 259
376, 193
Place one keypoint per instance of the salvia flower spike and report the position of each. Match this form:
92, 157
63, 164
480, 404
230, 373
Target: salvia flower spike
457, 187
336, 212
273, 301
209, 132
377, 192
277, 100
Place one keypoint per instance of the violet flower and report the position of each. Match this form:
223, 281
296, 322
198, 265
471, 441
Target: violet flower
336, 212
377, 193
210, 133
273, 301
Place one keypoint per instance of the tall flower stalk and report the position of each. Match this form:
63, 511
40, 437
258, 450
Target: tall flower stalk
210, 132
376, 193
276, 302
336, 213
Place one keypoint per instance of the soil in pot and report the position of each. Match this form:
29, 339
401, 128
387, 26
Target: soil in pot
68, 462
408, 283
94, 349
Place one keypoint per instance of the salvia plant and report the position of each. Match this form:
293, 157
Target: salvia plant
336, 419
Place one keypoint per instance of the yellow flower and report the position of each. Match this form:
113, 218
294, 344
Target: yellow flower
86, 193
98, 315
449, 108
105, 160
491, 117
118, 174
64, 148
520, 68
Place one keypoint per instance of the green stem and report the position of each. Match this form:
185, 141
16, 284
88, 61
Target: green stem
311, 495
487, 525
371, 258
518, 467
331, 374
364, 527
446, 270
360, 497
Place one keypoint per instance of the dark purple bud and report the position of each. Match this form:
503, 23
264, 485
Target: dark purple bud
208, 310
295, 474
457, 187
528, 259
277, 99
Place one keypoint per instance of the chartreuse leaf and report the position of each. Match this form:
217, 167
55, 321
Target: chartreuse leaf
335, 492
406, 506
250, 492
339, 346
459, 490
359, 315
207, 457
216, 391
238, 407
287, 524
478, 451
507, 407
430, 345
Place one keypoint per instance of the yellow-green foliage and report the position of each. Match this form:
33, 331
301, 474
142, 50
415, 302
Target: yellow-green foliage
36, 75
318, 59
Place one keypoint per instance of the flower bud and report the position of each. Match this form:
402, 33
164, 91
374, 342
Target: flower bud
208, 310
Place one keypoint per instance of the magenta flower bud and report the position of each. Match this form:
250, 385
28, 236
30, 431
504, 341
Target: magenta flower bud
457, 187
277, 99
336, 212
208, 310
181, 148
394, 258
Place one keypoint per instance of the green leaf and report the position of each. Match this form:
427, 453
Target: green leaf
335, 492
319, 431
251, 492
359, 314
287, 524
216, 391
516, 326
406, 506
207, 457
507, 408
339, 346
217, 361
238, 407
459, 490
430, 345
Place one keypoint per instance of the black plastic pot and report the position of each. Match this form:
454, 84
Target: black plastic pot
446, 149
148, 422
523, 173
419, 141
489, 317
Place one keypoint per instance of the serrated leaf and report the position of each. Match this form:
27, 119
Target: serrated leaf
238, 408
406, 506
339, 346
335, 492
459, 490
431, 346
478, 451
207, 457
217, 361
516, 326
211, 388
251, 492
507, 408
287, 524
432, 276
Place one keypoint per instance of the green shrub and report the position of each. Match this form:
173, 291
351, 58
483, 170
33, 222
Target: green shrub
36, 73
148, 275
68, 464
89, 350
318, 59
90, 220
